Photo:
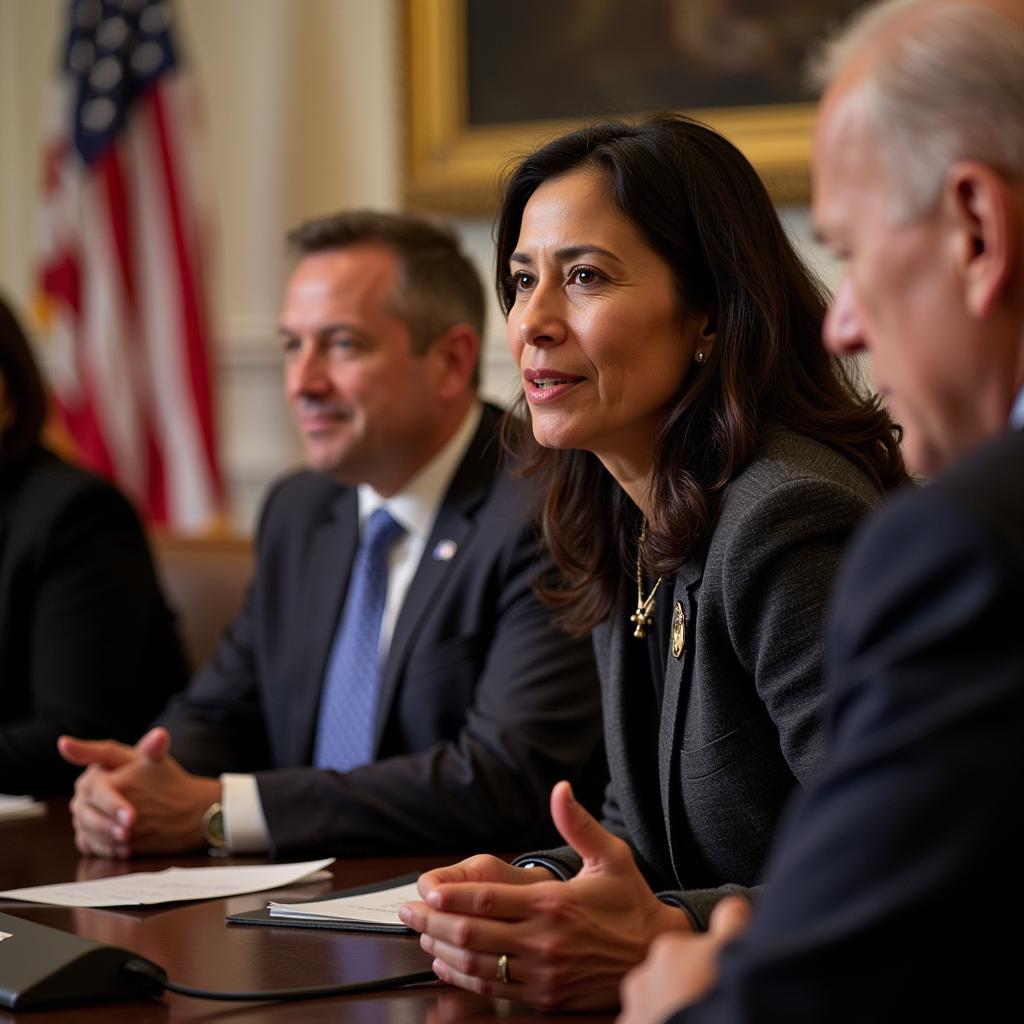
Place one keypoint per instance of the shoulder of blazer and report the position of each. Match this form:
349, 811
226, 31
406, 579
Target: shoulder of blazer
793, 465
994, 468
47, 473
300, 499
480, 466
787, 457
987, 486
47, 485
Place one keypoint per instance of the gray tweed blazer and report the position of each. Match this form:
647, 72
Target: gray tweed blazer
740, 722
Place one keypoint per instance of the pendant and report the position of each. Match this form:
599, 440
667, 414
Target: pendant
642, 620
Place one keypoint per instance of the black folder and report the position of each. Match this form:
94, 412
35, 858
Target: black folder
263, 916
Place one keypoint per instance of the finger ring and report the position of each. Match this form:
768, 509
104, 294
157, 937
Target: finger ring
502, 974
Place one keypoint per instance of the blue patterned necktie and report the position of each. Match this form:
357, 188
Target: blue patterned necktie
348, 703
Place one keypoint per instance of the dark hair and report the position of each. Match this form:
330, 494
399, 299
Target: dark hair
701, 206
439, 286
23, 387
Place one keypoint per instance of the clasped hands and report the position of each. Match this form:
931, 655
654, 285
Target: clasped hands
135, 800
568, 944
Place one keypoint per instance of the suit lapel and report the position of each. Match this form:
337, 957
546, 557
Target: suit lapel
470, 485
620, 728
629, 722
675, 699
330, 555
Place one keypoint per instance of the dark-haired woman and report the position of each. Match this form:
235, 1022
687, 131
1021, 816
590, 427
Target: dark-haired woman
87, 644
704, 462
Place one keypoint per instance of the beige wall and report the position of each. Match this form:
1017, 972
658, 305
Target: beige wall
27, 49
304, 114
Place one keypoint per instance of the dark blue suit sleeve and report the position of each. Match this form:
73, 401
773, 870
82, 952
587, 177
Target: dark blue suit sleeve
872, 908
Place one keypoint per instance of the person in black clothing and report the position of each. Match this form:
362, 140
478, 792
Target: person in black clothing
87, 643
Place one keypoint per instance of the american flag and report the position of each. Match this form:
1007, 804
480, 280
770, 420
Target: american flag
121, 274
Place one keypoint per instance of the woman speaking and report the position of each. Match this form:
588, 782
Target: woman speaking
703, 461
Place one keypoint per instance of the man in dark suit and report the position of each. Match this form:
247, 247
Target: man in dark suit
892, 892
392, 682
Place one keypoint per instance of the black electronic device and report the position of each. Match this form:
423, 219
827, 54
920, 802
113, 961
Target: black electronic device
42, 966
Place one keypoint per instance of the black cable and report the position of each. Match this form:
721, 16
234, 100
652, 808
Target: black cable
160, 982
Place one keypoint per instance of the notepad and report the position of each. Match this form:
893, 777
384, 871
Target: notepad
376, 909
15, 808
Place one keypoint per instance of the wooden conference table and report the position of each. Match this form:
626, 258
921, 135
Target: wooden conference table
194, 945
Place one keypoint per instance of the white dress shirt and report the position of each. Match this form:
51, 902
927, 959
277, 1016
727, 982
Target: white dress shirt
1017, 413
415, 507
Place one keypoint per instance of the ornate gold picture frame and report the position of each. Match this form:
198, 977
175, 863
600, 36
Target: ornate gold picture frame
452, 165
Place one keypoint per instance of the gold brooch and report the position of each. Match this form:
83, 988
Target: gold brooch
678, 630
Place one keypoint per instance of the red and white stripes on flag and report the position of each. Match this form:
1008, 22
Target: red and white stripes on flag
121, 272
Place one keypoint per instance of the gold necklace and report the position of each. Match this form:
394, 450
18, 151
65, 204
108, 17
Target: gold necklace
643, 617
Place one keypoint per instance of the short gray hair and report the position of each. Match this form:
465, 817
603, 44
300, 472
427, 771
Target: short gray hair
948, 86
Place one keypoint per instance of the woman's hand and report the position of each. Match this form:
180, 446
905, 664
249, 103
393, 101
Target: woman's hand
566, 944
482, 868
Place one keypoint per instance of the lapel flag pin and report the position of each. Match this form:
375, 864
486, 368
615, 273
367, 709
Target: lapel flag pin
444, 550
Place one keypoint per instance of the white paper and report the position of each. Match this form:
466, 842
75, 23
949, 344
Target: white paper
380, 907
145, 888
14, 808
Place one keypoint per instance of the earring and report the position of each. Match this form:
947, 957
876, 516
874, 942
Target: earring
699, 356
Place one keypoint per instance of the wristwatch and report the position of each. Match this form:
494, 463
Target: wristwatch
213, 827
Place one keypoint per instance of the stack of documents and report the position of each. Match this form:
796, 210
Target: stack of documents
13, 808
376, 910
146, 888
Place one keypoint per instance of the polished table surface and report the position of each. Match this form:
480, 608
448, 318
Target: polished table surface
195, 946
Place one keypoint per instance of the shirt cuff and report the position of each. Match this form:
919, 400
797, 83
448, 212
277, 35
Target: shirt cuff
245, 825
557, 868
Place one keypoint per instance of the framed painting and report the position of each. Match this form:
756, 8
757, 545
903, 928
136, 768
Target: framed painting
487, 81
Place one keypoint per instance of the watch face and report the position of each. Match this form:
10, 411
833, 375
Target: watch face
217, 826
213, 826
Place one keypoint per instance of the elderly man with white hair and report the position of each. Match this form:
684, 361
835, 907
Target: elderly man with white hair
894, 883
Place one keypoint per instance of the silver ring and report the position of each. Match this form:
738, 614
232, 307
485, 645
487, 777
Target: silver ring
502, 974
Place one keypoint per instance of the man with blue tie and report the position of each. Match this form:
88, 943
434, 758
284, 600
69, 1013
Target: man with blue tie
392, 682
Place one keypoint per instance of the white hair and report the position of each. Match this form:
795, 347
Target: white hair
946, 84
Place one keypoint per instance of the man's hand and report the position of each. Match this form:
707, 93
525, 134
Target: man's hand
135, 800
680, 969
568, 944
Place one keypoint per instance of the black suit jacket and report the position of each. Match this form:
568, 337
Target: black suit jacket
484, 704
893, 886
87, 644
